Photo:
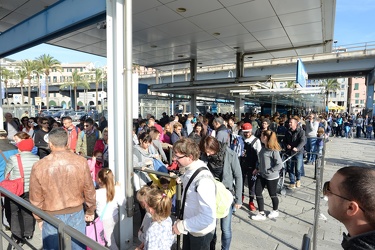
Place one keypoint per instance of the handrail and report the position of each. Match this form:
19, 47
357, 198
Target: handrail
64, 241
178, 194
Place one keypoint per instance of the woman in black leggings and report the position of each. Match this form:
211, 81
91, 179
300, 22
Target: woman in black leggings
270, 164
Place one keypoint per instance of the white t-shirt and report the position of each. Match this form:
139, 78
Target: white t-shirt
112, 208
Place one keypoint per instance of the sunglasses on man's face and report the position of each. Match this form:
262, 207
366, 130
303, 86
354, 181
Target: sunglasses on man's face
327, 190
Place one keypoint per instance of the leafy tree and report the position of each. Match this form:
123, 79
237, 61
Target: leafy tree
6, 74
331, 85
99, 76
48, 63
30, 66
77, 81
22, 75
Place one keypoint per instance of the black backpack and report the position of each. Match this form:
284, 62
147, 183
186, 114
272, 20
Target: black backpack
250, 158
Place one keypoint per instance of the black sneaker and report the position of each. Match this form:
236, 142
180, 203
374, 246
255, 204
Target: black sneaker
18, 241
28, 237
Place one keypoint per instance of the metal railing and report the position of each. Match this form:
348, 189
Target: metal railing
65, 232
178, 194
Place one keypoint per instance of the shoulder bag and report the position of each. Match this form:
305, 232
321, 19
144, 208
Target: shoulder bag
15, 186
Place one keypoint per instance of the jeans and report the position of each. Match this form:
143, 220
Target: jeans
294, 167
191, 242
358, 131
311, 148
22, 221
246, 171
369, 132
226, 232
50, 235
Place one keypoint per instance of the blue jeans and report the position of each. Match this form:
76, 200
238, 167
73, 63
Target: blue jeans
50, 234
294, 167
226, 231
311, 148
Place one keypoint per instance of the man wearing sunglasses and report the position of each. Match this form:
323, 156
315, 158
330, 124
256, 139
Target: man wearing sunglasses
351, 201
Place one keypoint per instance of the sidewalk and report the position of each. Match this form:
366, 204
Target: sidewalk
296, 208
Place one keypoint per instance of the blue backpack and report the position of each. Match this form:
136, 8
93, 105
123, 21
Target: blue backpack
237, 144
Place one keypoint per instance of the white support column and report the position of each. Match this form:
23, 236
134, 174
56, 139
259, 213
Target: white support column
239, 107
119, 61
273, 106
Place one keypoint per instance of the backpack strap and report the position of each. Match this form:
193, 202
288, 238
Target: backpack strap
181, 215
20, 166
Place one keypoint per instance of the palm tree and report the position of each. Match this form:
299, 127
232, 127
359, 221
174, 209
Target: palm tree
77, 80
6, 74
290, 84
48, 63
30, 66
99, 75
22, 74
331, 85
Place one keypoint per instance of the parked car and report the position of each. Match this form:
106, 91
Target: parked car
75, 115
46, 114
60, 114
94, 114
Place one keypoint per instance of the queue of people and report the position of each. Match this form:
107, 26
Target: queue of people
211, 142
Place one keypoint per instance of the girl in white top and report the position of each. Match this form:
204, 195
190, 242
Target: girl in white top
159, 235
108, 198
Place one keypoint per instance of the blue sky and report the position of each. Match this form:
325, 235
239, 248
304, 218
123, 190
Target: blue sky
354, 21
353, 24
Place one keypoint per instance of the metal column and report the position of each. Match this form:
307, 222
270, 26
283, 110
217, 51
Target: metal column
239, 107
119, 61
193, 104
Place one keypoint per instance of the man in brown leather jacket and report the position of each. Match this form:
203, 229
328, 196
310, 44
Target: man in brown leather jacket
60, 184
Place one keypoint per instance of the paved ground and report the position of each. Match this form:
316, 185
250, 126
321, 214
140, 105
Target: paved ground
296, 208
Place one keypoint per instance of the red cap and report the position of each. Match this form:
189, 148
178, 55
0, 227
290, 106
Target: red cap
246, 127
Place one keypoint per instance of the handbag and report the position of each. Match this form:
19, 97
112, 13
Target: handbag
95, 229
15, 186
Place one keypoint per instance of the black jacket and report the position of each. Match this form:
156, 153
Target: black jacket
296, 139
365, 241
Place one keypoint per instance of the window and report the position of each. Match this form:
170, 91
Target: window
356, 95
343, 86
362, 101
356, 101
342, 93
356, 86
55, 79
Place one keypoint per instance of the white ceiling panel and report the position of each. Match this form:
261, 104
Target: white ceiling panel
195, 7
276, 43
229, 31
179, 28
263, 24
157, 16
304, 29
309, 38
290, 6
210, 44
228, 3
269, 34
237, 40
308, 16
144, 5
250, 11
214, 19
253, 26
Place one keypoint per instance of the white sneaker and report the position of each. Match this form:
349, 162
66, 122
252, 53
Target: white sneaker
273, 214
259, 216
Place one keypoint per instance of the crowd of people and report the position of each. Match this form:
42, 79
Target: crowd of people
235, 153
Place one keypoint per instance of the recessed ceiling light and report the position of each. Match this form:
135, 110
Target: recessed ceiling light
200, 63
216, 34
180, 56
236, 47
153, 46
249, 57
181, 10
